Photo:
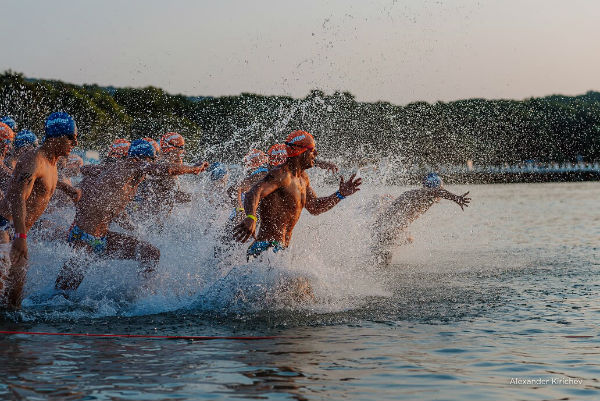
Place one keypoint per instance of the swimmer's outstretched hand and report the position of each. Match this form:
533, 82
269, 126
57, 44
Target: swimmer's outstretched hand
351, 186
463, 201
200, 167
245, 230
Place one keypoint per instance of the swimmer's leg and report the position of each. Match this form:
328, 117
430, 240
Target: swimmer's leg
70, 276
12, 274
72, 273
5, 246
123, 246
14, 283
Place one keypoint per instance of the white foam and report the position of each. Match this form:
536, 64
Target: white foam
329, 251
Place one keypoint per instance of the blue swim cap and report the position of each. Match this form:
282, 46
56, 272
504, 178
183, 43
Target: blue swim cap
8, 120
432, 180
214, 166
141, 148
25, 137
59, 124
217, 172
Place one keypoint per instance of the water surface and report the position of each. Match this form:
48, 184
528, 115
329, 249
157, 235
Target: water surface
505, 291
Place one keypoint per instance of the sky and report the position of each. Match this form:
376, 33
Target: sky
399, 51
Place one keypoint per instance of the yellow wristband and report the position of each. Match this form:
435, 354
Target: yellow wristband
251, 216
240, 209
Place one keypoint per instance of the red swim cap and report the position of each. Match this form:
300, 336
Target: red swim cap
277, 154
299, 142
6, 133
7, 136
255, 158
119, 148
154, 143
170, 141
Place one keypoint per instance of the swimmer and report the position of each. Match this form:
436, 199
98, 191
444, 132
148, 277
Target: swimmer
29, 192
104, 198
276, 156
282, 194
7, 137
163, 191
405, 209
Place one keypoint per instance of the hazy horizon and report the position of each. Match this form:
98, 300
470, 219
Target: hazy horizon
395, 51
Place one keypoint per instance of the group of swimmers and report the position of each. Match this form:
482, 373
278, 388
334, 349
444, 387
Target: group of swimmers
267, 202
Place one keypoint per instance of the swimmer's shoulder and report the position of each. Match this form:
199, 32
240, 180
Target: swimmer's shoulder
280, 174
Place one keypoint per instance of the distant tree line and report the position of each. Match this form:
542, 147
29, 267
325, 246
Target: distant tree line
553, 128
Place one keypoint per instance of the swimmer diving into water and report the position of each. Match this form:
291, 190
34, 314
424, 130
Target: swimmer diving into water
405, 209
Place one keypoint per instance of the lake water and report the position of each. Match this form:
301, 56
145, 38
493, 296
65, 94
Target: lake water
497, 302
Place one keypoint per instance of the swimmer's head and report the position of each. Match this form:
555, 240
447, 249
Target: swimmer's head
218, 171
8, 120
7, 136
171, 141
61, 133
299, 142
255, 158
277, 154
60, 124
141, 149
432, 180
119, 148
154, 144
24, 139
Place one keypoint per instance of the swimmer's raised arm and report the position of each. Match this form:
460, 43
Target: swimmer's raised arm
461, 200
263, 188
171, 169
316, 205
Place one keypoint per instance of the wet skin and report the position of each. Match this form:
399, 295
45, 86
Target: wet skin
282, 194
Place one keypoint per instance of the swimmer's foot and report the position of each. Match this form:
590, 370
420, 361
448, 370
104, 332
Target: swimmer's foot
58, 292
